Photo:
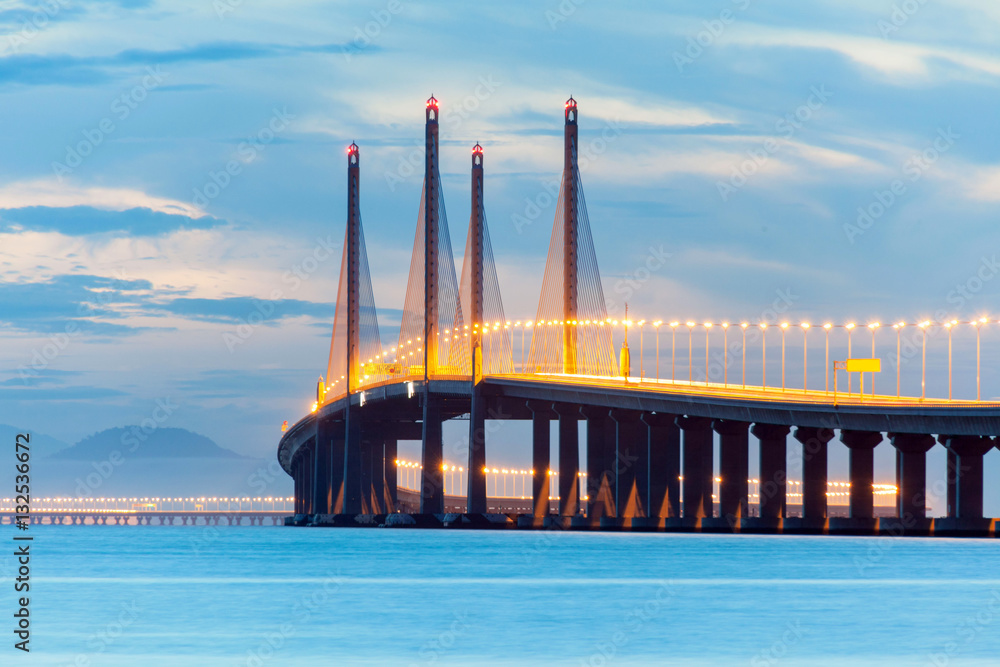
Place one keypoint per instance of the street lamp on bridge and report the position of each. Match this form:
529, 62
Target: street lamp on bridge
673, 348
805, 356
784, 326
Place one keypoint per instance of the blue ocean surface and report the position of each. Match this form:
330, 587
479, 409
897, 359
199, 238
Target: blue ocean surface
151, 596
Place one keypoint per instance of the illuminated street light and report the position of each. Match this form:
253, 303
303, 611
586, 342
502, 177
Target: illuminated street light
898, 326
690, 326
763, 354
744, 325
805, 356
708, 326
725, 354
872, 326
826, 328
923, 370
673, 348
656, 328
850, 329
948, 326
979, 323
641, 350
784, 327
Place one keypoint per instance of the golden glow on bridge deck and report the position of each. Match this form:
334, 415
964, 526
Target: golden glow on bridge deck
742, 392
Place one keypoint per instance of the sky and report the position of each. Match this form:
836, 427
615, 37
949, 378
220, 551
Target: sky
172, 178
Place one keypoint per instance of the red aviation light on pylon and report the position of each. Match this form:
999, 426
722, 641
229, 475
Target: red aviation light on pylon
352, 149
353, 153
570, 102
571, 111
477, 149
432, 110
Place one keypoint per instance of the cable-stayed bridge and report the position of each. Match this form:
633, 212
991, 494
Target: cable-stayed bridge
651, 419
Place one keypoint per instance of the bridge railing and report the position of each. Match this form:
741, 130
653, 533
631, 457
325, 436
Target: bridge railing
952, 360
949, 360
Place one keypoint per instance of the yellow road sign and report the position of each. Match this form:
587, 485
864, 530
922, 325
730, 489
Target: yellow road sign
864, 365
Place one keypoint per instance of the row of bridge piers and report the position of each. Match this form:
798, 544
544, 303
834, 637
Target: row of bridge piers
654, 470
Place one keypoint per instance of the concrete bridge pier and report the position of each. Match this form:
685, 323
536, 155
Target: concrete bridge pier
296, 487
390, 494
309, 471
815, 461
600, 486
631, 465
321, 470
911, 475
664, 465
366, 478
376, 467
734, 462
541, 417
966, 478
773, 469
862, 469
352, 460
328, 469
476, 502
698, 464
569, 458
432, 458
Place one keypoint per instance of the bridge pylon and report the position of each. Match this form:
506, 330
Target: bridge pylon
571, 334
355, 359
570, 222
476, 501
431, 310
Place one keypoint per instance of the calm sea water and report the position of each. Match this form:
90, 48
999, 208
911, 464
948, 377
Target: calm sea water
284, 596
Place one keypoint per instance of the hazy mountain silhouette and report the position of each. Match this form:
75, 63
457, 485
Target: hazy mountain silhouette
41, 445
134, 443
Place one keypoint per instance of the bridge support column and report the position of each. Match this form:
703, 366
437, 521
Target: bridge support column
476, 492
310, 471
541, 415
952, 482
390, 475
968, 452
773, 464
698, 463
367, 479
321, 488
569, 459
862, 464
352, 460
296, 487
432, 458
599, 489
734, 462
334, 432
814, 470
664, 465
911, 473
631, 464
377, 467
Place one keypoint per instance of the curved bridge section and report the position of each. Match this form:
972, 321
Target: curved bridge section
649, 442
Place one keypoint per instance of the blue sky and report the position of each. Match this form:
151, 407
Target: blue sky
127, 252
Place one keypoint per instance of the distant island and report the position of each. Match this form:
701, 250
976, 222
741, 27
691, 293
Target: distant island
128, 461
132, 441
